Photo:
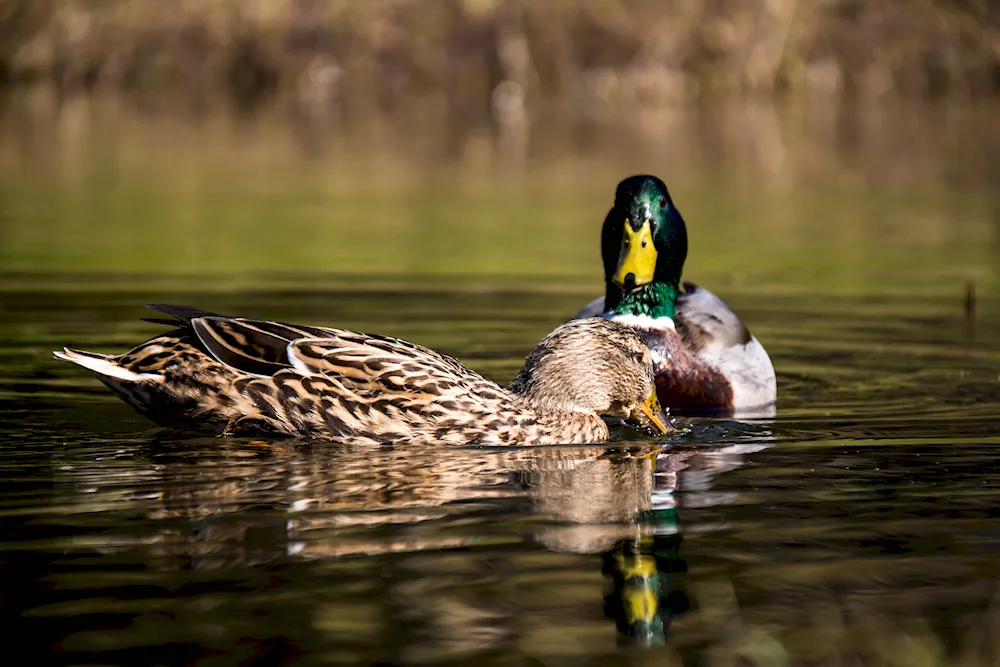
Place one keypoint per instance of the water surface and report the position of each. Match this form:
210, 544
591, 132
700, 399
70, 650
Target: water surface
860, 524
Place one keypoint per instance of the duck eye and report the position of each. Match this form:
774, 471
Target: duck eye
640, 357
663, 202
644, 244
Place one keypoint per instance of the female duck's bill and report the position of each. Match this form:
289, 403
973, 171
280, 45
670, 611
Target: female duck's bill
650, 415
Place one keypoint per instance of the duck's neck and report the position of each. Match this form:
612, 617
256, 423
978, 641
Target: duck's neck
656, 300
548, 415
562, 427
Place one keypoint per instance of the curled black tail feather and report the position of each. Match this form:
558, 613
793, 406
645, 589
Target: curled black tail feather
181, 313
162, 320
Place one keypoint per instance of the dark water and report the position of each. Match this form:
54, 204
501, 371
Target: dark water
861, 521
860, 525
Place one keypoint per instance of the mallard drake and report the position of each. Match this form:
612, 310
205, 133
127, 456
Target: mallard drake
703, 354
240, 374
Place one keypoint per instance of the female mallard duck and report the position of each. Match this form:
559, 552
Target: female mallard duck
301, 380
703, 355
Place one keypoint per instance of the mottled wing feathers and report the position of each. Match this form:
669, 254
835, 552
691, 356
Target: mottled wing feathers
345, 384
242, 345
251, 346
385, 364
290, 332
350, 385
362, 361
304, 380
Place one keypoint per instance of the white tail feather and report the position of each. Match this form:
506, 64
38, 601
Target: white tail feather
103, 365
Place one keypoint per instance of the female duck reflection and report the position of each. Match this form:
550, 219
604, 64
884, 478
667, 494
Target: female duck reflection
624, 509
323, 501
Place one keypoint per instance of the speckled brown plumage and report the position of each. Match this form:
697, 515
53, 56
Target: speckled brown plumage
245, 375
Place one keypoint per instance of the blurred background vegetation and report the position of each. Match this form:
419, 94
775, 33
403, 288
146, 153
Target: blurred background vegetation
822, 145
591, 51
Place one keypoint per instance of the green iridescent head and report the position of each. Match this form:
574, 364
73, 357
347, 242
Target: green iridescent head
644, 245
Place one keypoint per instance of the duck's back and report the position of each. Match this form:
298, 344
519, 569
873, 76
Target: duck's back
717, 337
252, 375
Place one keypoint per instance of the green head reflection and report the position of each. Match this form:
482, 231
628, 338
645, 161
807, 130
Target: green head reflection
645, 574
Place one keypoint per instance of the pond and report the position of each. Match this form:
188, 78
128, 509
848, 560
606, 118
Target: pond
860, 524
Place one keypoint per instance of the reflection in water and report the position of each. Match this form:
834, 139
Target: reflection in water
873, 493
232, 503
646, 593
874, 498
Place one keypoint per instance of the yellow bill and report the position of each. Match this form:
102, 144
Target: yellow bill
649, 414
637, 256
639, 565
